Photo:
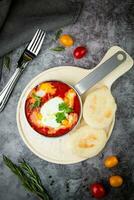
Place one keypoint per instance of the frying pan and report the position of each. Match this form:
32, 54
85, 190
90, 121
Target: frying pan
92, 78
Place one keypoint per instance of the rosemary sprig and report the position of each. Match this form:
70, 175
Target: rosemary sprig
28, 177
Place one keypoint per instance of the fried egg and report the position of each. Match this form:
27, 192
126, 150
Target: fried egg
48, 111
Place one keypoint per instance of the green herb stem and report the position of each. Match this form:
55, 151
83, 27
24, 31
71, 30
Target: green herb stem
28, 177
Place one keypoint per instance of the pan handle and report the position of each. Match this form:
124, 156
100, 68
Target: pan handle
100, 72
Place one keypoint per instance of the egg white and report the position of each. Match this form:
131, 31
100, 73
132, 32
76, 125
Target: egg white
48, 111
40, 93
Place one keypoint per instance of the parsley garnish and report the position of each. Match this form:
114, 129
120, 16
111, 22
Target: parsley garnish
63, 106
60, 116
65, 109
37, 101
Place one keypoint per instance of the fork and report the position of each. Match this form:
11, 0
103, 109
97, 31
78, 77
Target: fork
28, 55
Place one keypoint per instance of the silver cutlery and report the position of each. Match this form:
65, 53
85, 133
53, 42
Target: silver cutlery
28, 55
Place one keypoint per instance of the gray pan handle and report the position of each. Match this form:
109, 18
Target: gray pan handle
100, 72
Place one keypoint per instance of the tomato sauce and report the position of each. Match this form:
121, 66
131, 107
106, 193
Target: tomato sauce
52, 89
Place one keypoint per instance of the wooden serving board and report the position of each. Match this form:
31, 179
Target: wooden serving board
58, 150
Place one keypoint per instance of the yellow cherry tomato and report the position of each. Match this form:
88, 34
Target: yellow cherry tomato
116, 181
66, 40
111, 161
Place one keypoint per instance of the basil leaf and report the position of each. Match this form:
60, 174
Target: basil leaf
58, 48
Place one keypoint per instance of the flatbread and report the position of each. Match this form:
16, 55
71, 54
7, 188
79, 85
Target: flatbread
99, 108
88, 142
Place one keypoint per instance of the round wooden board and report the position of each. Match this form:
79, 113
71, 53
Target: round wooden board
56, 150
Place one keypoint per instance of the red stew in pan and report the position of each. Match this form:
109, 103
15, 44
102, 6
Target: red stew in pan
52, 108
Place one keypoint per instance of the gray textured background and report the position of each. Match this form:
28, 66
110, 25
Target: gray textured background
101, 25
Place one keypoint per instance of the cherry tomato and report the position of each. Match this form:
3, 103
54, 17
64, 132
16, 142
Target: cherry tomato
97, 190
116, 181
111, 161
80, 52
66, 40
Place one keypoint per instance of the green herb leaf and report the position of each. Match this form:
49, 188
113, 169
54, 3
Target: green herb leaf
69, 110
58, 33
37, 102
58, 48
36, 97
60, 116
28, 177
35, 105
6, 62
63, 106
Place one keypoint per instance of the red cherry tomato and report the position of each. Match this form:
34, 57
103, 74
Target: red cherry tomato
80, 52
97, 190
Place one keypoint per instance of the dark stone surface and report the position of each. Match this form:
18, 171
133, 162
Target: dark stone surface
102, 24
